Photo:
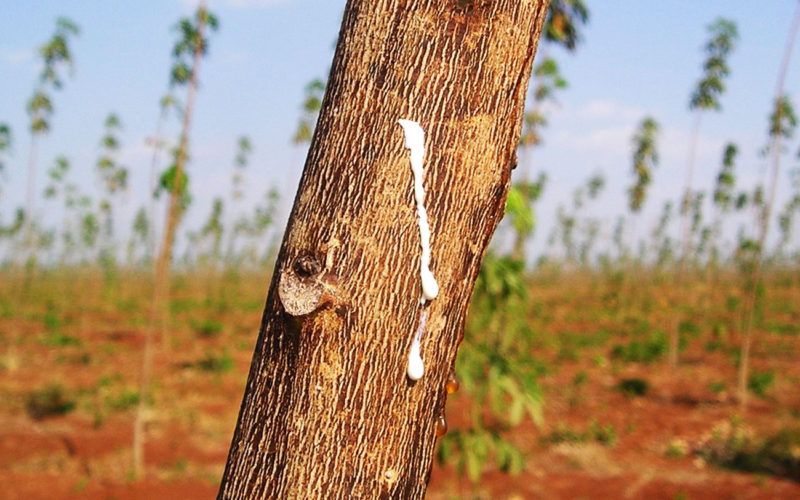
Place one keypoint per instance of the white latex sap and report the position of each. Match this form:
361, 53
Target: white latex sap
415, 142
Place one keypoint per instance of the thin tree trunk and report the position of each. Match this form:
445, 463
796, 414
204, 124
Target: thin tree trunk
161, 278
30, 201
328, 410
164, 260
157, 143
752, 296
686, 245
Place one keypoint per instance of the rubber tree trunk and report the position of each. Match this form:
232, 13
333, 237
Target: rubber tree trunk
328, 410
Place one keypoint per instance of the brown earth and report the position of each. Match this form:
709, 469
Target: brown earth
93, 353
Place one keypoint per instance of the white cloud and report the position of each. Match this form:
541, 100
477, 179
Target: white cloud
236, 4
15, 57
236, 56
602, 109
611, 140
254, 3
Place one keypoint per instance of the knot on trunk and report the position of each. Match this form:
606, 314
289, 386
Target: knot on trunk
305, 286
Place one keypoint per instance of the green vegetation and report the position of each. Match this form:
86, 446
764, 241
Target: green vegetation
602, 434
736, 447
49, 401
760, 382
633, 387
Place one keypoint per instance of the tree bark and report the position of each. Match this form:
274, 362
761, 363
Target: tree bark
328, 410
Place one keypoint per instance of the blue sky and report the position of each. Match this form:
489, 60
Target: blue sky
638, 58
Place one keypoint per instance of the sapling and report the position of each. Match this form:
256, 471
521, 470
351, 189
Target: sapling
591, 225
114, 179
723, 199
565, 18
140, 236
6, 140
723, 35
524, 193
312, 102
645, 159
210, 236
786, 219
187, 53
159, 144
243, 150
662, 242
519, 209
5, 150
57, 187
577, 247
257, 226
782, 125
56, 57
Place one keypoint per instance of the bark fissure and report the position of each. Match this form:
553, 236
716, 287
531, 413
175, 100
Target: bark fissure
328, 410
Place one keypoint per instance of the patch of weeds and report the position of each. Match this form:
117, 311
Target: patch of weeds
759, 382
689, 328
128, 305
677, 448
110, 349
585, 339
5, 309
207, 328
107, 380
82, 358
784, 329
732, 303
716, 386
81, 484
719, 330
605, 435
642, 351
734, 447
50, 401
250, 305
600, 361
633, 387
125, 400
642, 327
184, 305
580, 379
216, 364
50, 320
567, 352
56, 339
715, 345
181, 465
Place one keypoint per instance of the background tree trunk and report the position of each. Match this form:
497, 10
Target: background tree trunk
328, 411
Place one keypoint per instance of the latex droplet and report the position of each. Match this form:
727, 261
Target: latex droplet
441, 426
451, 386
416, 368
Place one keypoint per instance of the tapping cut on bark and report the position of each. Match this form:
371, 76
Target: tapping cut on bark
328, 411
